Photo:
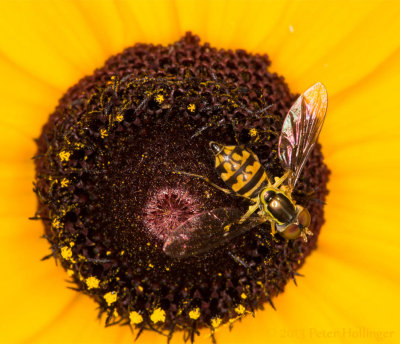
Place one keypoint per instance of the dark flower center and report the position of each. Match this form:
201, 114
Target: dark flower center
110, 194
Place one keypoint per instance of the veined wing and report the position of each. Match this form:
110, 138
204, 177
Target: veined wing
300, 130
208, 230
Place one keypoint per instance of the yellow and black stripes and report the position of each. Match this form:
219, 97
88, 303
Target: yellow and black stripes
241, 171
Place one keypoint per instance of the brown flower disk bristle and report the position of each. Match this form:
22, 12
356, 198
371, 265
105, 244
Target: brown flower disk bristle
110, 195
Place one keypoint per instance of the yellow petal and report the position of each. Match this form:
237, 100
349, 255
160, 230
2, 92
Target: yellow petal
33, 293
361, 142
335, 42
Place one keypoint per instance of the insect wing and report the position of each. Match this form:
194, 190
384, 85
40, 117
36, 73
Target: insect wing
206, 231
301, 129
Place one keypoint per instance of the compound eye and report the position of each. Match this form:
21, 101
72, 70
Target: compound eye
304, 218
292, 231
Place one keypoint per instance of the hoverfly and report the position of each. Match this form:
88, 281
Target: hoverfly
242, 172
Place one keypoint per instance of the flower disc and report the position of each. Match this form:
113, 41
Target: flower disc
110, 195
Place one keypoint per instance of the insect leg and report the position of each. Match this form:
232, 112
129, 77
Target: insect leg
273, 227
279, 181
306, 232
229, 192
304, 236
251, 210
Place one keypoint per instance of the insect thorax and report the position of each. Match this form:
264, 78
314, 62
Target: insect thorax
278, 205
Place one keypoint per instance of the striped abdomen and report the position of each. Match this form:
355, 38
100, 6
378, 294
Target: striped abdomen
239, 169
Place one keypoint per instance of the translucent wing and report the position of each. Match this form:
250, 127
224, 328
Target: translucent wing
301, 129
206, 231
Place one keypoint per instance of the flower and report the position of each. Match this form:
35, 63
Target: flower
350, 289
119, 221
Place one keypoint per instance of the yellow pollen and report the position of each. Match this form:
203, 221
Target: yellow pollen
111, 81
194, 314
56, 223
135, 317
64, 183
191, 107
240, 309
253, 132
64, 156
70, 272
92, 282
158, 315
140, 288
243, 296
216, 322
66, 252
159, 98
119, 118
103, 133
110, 297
